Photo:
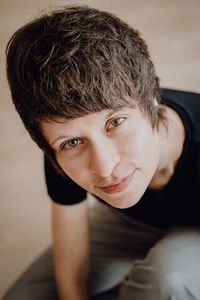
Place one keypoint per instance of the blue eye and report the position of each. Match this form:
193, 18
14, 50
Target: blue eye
71, 144
116, 122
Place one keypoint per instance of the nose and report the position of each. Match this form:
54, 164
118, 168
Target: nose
104, 158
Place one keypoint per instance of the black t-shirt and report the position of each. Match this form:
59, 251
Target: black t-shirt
178, 203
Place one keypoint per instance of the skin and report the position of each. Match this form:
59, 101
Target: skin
107, 148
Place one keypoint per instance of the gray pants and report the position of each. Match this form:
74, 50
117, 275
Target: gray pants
130, 261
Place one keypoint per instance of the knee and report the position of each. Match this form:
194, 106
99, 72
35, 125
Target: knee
152, 282
162, 275
16, 293
31, 292
169, 286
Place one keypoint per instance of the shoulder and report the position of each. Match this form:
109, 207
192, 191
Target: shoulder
187, 103
62, 190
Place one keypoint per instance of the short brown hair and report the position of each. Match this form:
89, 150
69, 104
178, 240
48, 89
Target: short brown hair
74, 61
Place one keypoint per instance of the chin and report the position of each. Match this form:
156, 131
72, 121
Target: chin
126, 200
122, 202
129, 197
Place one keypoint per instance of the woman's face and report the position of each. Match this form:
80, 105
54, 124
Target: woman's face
111, 154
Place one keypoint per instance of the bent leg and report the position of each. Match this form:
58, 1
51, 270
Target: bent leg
37, 282
171, 270
116, 241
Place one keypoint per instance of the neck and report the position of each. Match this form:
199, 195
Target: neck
171, 147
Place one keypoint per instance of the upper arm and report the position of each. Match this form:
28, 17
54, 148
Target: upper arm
70, 226
62, 190
71, 249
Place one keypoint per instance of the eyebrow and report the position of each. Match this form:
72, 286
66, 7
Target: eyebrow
64, 136
59, 138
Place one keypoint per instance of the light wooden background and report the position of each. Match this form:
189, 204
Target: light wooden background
172, 30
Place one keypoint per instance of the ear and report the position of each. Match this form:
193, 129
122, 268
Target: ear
155, 102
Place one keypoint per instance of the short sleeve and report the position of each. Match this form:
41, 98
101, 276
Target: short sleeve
62, 190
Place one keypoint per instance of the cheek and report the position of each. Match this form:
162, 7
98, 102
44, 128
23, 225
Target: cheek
143, 146
135, 142
74, 169
151, 153
68, 166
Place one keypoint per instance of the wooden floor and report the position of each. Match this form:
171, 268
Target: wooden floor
171, 29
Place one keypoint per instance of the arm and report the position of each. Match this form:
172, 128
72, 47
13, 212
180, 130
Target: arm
71, 249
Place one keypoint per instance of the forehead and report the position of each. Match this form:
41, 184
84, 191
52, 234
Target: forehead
74, 122
54, 127
61, 127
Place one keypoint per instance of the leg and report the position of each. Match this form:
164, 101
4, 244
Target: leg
37, 282
171, 270
116, 241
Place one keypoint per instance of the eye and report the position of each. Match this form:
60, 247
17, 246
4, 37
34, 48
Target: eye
70, 144
116, 122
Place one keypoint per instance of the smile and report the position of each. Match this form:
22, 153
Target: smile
117, 188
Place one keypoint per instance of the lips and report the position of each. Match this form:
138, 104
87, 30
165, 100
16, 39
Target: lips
119, 187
